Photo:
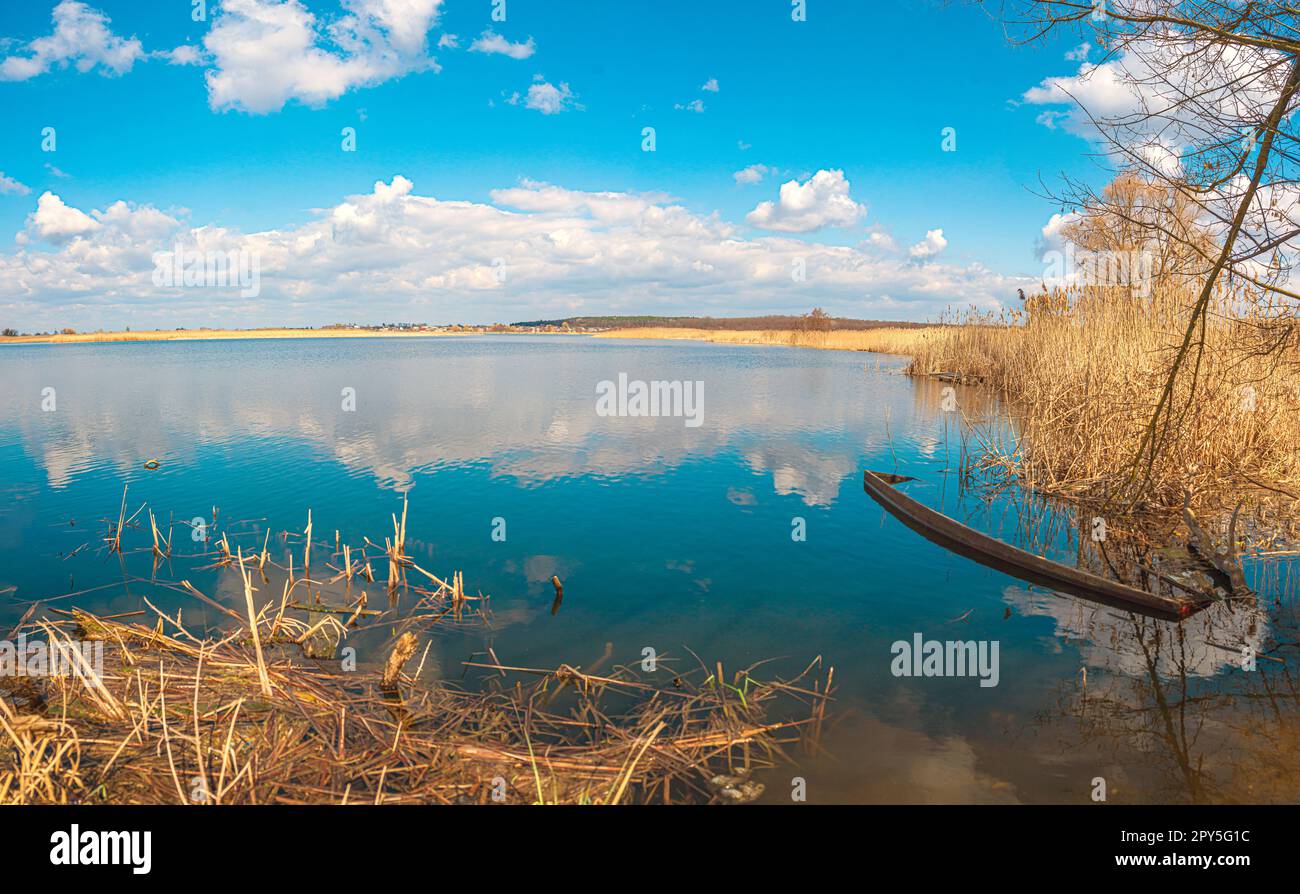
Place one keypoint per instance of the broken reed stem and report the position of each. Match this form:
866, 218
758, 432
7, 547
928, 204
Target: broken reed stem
121, 522
402, 651
306, 552
247, 578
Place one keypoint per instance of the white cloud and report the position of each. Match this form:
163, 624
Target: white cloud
491, 42
1106, 90
56, 222
882, 241
549, 99
695, 105
1141, 93
81, 37
1079, 53
931, 245
267, 53
710, 86
391, 253
185, 54
752, 174
1052, 236
448, 42
1160, 156
822, 201
11, 187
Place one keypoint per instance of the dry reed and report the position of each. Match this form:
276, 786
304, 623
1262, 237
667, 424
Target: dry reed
258, 710
1081, 371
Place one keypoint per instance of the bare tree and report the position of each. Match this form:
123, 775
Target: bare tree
1209, 90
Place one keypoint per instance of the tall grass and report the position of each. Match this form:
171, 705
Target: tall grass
883, 340
1083, 369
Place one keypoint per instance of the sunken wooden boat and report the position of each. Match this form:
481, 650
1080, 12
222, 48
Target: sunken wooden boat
992, 553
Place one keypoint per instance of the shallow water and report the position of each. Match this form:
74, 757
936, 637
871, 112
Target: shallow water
666, 536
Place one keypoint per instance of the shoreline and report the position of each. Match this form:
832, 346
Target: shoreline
157, 335
882, 340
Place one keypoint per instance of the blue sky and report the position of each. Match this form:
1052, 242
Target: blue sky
862, 89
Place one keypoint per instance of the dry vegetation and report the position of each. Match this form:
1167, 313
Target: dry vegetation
1082, 370
886, 340
262, 711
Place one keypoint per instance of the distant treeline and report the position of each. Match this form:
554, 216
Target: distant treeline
734, 323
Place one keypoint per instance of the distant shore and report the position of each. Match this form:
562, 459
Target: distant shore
246, 334
882, 340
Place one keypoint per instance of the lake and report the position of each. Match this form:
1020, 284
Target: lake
744, 538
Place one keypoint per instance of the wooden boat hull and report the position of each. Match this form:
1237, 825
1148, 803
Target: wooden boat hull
992, 553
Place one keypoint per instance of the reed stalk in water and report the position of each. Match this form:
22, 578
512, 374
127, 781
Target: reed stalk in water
179, 714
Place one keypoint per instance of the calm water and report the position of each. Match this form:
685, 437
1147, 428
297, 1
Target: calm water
666, 536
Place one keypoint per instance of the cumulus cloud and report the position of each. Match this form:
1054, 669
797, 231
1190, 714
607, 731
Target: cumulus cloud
695, 105
710, 86
1052, 236
266, 53
1108, 90
752, 174
81, 37
491, 42
931, 245
821, 201
11, 187
397, 253
1079, 53
55, 221
548, 99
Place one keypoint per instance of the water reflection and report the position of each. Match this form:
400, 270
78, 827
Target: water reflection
424, 405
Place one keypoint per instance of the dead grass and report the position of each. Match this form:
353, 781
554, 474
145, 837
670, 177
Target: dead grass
1081, 372
260, 709
883, 340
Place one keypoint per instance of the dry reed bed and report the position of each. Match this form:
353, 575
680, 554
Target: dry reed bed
244, 715
883, 340
1082, 371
